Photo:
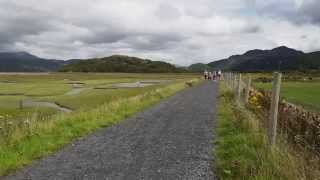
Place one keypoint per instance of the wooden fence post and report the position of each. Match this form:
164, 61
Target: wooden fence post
228, 80
233, 83
247, 90
273, 117
225, 75
239, 88
225, 78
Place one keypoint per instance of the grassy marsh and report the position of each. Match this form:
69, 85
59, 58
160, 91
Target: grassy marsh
35, 136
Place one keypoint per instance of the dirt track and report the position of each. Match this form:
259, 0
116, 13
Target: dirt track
171, 140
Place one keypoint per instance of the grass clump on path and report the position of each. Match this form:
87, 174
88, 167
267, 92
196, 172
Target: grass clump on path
49, 136
241, 149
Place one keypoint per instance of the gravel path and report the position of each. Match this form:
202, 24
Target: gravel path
171, 140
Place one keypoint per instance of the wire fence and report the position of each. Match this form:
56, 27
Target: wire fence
298, 125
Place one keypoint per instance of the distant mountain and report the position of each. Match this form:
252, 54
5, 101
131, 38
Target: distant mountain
280, 58
199, 67
120, 63
25, 62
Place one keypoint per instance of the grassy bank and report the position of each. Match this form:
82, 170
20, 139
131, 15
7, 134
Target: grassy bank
50, 135
241, 150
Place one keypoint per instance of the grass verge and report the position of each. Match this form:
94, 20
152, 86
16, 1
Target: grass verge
241, 149
49, 136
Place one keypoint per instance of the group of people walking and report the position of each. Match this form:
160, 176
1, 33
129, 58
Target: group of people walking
214, 75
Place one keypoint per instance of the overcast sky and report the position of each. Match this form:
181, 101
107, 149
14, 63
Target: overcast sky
177, 31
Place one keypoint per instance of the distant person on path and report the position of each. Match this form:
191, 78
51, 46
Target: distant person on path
205, 74
214, 75
210, 75
219, 74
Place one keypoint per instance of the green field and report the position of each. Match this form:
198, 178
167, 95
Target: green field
54, 88
305, 93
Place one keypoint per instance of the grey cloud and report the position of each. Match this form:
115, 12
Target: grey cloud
277, 9
250, 4
311, 10
304, 37
16, 22
167, 12
152, 42
306, 12
252, 29
23, 26
104, 36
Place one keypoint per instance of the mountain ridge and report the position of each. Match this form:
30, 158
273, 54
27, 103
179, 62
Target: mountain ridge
280, 58
22, 61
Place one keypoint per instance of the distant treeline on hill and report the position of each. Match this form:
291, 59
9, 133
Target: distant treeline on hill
120, 63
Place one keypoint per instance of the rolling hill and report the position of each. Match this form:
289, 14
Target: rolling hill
120, 63
26, 62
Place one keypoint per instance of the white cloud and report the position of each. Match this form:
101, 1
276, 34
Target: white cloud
179, 31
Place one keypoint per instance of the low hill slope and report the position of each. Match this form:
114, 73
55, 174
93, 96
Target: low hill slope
199, 67
120, 63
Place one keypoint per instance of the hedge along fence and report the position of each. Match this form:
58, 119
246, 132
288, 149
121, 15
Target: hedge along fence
297, 125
